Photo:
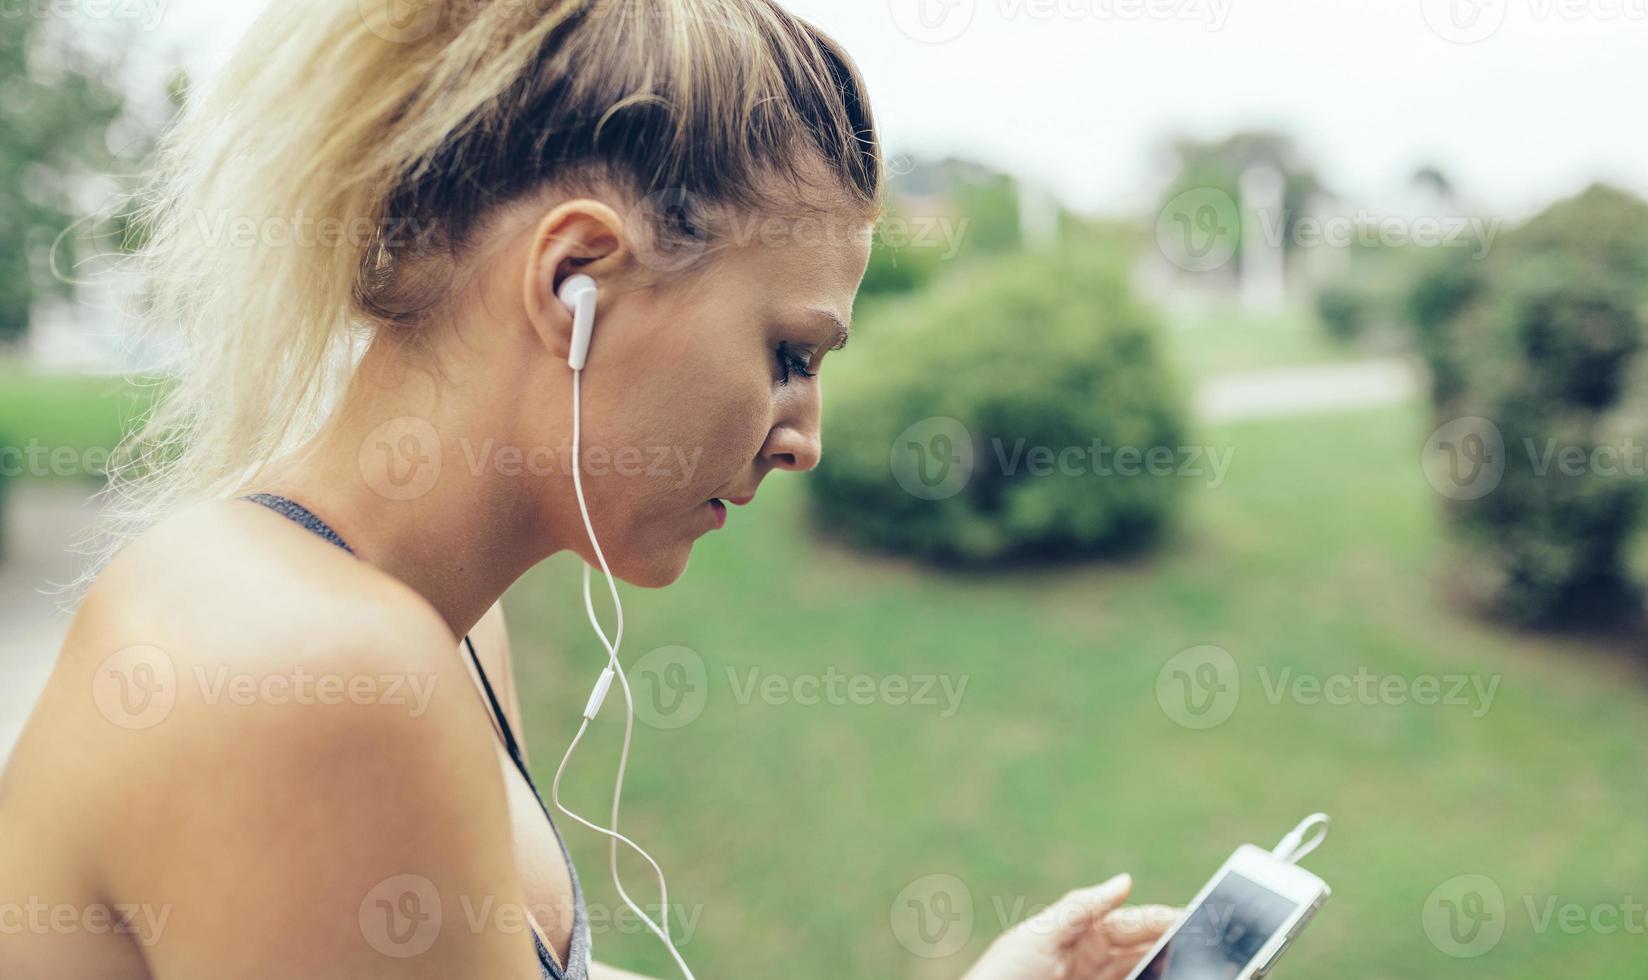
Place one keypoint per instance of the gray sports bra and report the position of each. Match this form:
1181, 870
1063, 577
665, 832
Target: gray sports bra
578, 956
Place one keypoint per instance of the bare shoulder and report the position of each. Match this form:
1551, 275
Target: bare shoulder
213, 618
231, 572
264, 734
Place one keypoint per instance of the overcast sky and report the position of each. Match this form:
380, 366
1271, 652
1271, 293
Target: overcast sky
1519, 101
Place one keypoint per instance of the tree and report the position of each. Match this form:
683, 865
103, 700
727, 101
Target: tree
1219, 164
57, 104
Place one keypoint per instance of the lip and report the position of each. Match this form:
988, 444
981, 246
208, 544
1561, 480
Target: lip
739, 501
718, 511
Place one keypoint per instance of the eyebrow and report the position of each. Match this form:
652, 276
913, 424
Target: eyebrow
843, 331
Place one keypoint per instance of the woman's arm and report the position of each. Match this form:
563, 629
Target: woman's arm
286, 836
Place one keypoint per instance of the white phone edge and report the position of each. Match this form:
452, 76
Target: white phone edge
1307, 892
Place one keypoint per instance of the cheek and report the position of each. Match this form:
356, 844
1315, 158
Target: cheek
699, 425
739, 427
721, 417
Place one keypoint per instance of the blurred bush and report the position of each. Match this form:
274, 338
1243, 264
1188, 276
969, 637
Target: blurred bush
899, 268
1345, 310
1542, 338
1366, 302
1044, 349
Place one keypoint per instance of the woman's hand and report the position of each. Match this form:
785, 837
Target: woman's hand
1082, 936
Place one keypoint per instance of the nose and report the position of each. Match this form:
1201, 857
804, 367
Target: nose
789, 447
793, 441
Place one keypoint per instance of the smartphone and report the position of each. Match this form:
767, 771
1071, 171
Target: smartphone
1240, 923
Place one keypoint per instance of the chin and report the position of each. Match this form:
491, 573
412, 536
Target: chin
658, 567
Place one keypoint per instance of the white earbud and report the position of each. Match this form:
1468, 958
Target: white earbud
578, 295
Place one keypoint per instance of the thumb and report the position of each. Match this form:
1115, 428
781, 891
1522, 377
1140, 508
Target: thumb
1079, 909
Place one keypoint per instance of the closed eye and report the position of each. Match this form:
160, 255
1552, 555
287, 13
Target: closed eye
793, 361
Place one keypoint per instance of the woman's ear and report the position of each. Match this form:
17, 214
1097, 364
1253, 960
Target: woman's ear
577, 236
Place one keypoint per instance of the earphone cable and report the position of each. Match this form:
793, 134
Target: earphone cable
613, 669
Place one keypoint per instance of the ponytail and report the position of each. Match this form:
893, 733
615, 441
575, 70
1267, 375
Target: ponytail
328, 183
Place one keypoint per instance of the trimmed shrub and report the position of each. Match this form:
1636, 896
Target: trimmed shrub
992, 417
1344, 310
1366, 301
1543, 339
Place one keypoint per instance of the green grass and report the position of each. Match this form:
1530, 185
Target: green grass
67, 423
791, 828
1231, 342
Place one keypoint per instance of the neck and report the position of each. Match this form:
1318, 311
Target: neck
397, 472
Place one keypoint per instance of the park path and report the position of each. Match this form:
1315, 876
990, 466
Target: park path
1308, 390
44, 517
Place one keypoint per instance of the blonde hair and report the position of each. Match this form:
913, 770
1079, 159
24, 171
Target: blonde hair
384, 146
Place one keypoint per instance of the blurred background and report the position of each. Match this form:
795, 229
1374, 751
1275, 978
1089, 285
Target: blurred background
1244, 417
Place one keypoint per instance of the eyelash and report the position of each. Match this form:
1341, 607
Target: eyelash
791, 363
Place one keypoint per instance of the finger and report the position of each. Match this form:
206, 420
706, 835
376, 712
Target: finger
1124, 932
1076, 912
1124, 961
1140, 923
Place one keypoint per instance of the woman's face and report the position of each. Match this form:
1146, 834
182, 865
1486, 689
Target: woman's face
697, 388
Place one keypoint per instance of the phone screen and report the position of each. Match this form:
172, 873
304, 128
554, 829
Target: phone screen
1222, 934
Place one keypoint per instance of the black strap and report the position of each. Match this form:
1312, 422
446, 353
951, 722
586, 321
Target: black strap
546, 958
301, 515
498, 711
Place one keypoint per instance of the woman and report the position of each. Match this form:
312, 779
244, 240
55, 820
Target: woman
256, 754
